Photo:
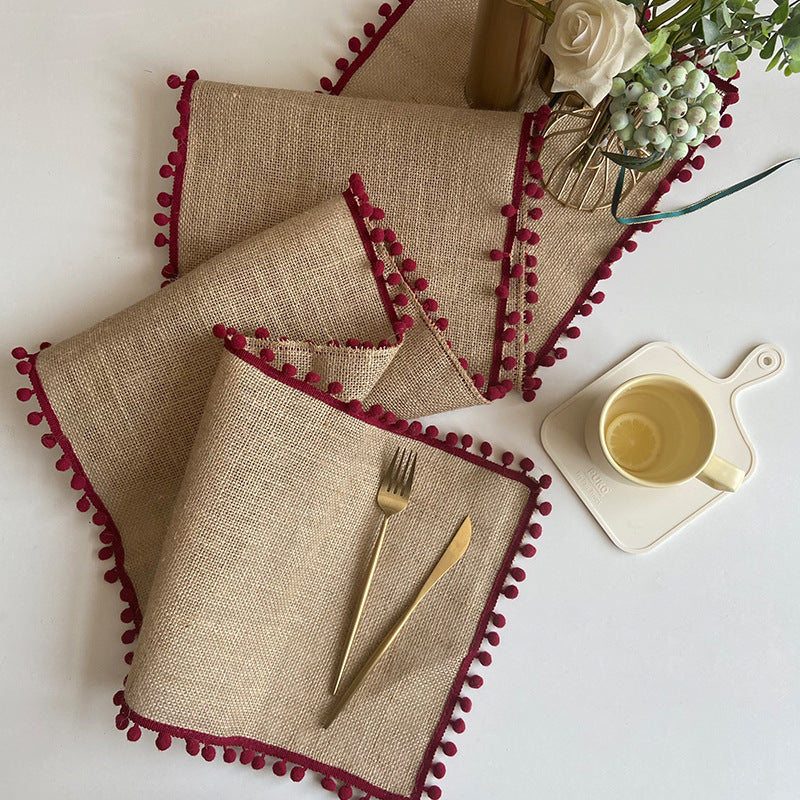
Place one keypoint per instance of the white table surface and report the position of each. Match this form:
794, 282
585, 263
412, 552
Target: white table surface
674, 674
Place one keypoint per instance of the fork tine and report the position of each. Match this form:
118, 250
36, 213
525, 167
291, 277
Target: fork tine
387, 476
408, 475
409, 481
399, 475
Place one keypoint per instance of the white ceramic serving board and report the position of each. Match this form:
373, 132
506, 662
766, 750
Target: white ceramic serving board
636, 518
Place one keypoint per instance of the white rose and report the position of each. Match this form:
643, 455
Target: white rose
591, 41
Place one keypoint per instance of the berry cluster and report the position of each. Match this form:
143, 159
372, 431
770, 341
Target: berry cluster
662, 112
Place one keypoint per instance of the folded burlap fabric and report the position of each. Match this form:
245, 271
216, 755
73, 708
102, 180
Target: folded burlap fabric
239, 539
263, 558
128, 413
512, 267
205, 520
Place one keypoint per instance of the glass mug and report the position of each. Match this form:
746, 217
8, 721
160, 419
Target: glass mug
658, 431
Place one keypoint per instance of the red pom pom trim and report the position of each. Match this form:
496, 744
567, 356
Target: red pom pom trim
174, 169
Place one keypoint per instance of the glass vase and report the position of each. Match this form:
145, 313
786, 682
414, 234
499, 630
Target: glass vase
505, 55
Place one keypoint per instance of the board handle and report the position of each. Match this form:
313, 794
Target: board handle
764, 361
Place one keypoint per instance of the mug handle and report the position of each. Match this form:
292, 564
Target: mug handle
721, 474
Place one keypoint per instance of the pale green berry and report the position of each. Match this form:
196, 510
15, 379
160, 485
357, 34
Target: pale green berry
693, 86
648, 101
619, 120
633, 91
702, 79
661, 88
640, 136
619, 104
657, 134
678, 127
626, 134
698, 140
689, 66
711, 125
651, 118
712, 103
696, 115
676, 109
677, 75
617, 87
662, 147
690, 134
710, 89
679, 150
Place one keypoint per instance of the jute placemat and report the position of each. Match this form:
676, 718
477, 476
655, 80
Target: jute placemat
264, 556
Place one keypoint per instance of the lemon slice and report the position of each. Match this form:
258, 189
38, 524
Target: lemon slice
633, 441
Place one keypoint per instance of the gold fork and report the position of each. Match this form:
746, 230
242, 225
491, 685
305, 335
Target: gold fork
393, 494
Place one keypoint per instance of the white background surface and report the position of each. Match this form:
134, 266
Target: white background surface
674, 674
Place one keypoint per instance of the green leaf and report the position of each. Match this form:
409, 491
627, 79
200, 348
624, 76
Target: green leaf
774, 63
792, 49
633, 162
655, 165
791, 28
726, 64
710, 31
657, 39
726, 15
769, 48
781, 13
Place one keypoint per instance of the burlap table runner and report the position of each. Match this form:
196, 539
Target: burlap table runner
487, 279
130, 412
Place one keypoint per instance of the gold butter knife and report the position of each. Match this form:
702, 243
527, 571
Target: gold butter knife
455, 550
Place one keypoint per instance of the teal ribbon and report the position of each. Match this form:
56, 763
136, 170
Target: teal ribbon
712, 198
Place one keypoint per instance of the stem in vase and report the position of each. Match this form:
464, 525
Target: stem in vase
597, 131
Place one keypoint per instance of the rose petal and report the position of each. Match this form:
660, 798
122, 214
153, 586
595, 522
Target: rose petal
589, 43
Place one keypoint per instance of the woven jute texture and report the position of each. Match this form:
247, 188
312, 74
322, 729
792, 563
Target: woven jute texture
264, 556
424, 59
258, 156
444, 171
129, 392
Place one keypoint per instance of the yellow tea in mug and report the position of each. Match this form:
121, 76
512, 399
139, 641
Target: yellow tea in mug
659, 430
